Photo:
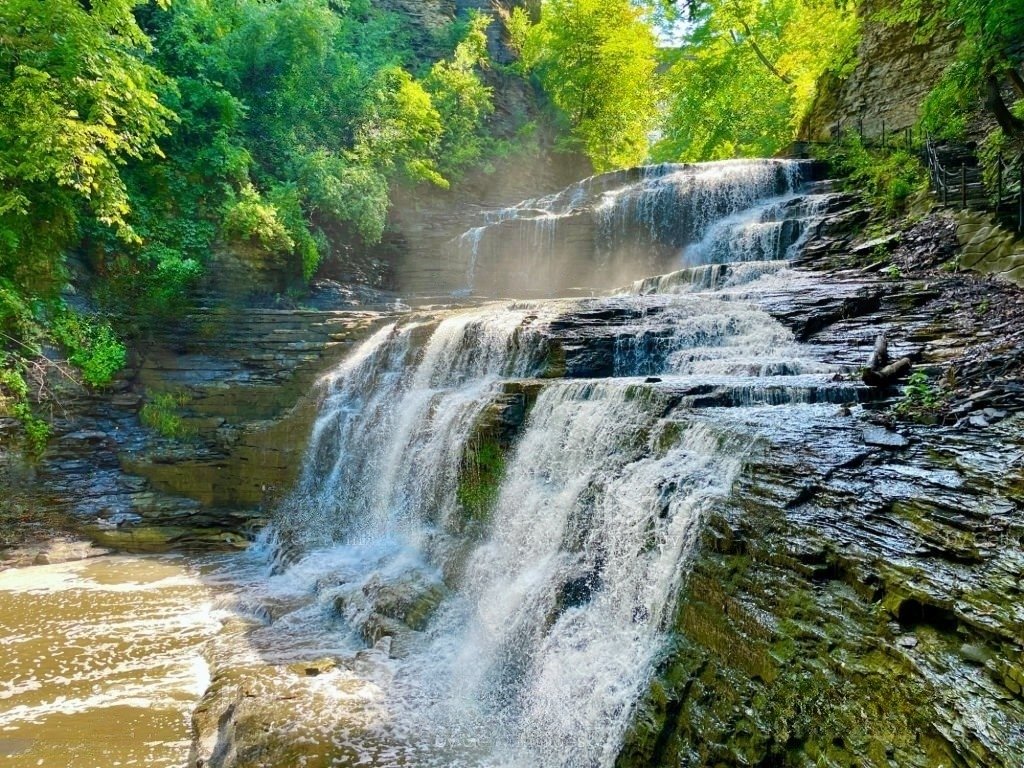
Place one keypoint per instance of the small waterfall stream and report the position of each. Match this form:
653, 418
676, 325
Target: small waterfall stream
501, 501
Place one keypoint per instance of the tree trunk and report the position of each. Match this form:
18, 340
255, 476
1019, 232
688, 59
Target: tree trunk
760, 54
1010, 123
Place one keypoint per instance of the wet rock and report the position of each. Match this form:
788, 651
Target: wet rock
884, 438
780, 616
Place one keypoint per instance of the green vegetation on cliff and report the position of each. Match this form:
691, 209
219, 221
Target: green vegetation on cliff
141, 138
596, 60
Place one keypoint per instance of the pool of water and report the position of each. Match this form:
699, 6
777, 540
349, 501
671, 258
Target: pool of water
102, 661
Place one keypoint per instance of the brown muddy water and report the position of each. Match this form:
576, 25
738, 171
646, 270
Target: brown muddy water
101, 661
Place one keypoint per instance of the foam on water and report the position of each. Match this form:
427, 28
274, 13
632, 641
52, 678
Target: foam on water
96, 650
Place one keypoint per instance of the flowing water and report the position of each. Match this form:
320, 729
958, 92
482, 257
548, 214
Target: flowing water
498, 504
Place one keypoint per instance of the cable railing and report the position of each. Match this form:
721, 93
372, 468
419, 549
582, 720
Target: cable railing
962, 183
957, 179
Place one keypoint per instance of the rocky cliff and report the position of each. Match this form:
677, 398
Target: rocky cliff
856, 601
897, 65
197, 439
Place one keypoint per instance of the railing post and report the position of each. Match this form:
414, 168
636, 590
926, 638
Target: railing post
1020, 198
999, 181
963, 184
883, 134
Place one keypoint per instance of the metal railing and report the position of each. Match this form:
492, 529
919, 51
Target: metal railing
1006, 199
885, 137
953, 185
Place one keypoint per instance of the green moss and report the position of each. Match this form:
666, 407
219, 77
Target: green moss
554, 365
483, 467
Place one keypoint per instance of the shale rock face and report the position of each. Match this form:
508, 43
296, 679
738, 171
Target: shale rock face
857, 599
897, 67
853, 604
233, 389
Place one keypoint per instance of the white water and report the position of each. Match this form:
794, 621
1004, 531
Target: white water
550, 636
545, 617
549, 619
614, 227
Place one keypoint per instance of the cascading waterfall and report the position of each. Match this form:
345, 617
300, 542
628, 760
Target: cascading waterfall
569, 594
525, 620
609, 228
394, 419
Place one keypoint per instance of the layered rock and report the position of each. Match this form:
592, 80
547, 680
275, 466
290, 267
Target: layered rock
897, 65
236, 412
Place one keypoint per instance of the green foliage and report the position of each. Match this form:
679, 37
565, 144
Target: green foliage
745, 78
920, 400
893, 272
991, 30
76, 101
91, 345
596, 60
15, 403
887, 178
341, 191
462, 100
252, 220
145, 136
948, 107
162, 414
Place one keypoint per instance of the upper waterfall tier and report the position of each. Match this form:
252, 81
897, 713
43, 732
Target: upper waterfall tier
610, 229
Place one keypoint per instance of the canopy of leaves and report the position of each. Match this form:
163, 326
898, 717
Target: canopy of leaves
992, 31
746, 75
146, 136
76, 102
596, 60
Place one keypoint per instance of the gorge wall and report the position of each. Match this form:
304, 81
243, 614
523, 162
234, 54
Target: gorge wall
897, 65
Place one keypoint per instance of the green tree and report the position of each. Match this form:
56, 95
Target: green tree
462, 99
985, 60
596, 60
76, 103
744, 79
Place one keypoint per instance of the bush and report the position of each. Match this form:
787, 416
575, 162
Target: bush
91, 345
921, 401
14, 402
252, 220
888, 178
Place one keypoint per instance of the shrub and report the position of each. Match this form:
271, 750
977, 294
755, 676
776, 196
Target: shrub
162, 414
91, 345
887, 177
920, 401
252, 220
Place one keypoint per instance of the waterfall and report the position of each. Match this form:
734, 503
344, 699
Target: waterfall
609, 228
566, 599
502, 500
394, 418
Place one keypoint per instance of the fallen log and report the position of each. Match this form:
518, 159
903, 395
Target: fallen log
887, 374
880, 356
